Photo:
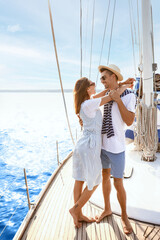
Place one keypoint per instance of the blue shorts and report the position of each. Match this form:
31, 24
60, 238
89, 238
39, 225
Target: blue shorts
115, 161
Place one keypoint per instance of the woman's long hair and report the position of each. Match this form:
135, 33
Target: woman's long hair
80, 93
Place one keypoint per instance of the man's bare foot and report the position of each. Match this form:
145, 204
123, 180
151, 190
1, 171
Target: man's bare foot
75, 217
83, 218
127, 228
103, 215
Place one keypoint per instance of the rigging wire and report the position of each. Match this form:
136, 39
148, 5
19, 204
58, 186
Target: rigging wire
86, 33
105, 27
92, 39
134, 25
134, 60
64, 101
152, 38
139, 38
80, 38
140, 55
111, 31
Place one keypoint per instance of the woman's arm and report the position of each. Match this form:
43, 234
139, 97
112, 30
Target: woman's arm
128, 81
107, 98
101, 94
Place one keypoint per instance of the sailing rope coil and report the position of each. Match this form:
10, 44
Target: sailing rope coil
146, 136
64, 101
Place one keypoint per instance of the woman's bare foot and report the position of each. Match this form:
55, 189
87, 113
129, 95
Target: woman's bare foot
127, 228
75, 217
103, 215
83, 218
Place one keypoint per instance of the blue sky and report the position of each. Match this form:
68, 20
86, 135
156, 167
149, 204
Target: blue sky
27, 58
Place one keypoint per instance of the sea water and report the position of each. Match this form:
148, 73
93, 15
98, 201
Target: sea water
30, 125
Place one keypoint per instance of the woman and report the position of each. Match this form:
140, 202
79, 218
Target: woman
86, 157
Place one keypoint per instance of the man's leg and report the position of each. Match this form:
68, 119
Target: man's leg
106, 188
121, 195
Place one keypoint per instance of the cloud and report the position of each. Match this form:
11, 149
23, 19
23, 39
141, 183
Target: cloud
20, 51
3, 70
14, 28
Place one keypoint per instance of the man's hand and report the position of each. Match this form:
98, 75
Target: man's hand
80, 120
114, 95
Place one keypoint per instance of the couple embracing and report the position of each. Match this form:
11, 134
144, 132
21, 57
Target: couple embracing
100, 151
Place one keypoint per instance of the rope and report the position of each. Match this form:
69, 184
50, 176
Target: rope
111, 31
54, 41
134, 60
81, 38
92, 39
146, 136
8, 221
103, 39
152, 40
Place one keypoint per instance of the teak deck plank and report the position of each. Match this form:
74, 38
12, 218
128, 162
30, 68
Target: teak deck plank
49, 219
41, 216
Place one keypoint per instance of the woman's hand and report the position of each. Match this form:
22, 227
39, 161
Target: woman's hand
122, 88
129, 81
115, 94
80, 120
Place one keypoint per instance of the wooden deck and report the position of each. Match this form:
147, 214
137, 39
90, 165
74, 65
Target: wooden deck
49, 218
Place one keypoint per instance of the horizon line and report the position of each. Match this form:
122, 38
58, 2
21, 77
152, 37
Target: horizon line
38, 90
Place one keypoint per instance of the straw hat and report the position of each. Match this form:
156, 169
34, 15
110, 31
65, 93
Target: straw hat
113, 68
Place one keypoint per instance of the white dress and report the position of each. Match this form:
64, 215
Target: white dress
86, 156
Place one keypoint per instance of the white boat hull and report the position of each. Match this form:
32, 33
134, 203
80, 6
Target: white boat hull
143, 189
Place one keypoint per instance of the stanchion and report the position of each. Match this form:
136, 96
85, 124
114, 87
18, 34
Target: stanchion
25, 176
57, 153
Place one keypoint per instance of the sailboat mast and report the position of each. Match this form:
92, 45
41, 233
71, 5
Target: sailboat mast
147, 51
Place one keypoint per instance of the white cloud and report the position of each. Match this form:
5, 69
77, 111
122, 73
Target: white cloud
22, 51
3, 70
14, 28
2, 67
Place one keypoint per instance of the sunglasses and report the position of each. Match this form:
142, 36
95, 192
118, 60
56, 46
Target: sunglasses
102, 78
92, 84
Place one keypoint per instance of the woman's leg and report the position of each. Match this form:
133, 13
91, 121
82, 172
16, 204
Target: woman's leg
78, 185
77, 193
75, 211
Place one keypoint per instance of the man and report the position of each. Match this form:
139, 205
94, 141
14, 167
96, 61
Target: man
117, 113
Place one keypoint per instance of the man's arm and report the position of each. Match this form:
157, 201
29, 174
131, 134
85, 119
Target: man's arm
127, 116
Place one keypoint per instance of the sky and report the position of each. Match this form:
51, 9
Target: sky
27, 57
